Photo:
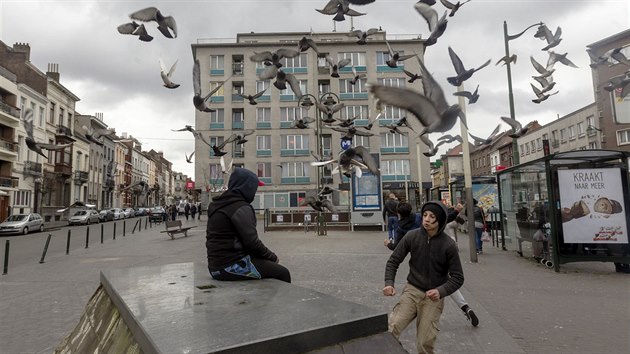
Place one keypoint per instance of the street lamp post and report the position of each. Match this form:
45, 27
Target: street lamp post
307, 100
507, 38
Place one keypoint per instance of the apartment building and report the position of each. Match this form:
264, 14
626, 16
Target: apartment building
277, 151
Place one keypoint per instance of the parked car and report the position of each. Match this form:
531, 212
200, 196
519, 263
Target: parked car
129, 213
22, 224
142, 211
84, 217
106, 215
118, 213
157, 214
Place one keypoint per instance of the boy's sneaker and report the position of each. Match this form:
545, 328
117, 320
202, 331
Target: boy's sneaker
470, 314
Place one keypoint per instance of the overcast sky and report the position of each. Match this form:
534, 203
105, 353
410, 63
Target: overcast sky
119, 75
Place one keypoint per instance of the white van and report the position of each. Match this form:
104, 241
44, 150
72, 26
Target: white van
181, 206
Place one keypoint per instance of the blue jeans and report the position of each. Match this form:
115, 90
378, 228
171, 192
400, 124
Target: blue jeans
392, 225
478, 232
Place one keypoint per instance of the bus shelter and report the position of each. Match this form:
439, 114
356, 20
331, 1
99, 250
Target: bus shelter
568, 207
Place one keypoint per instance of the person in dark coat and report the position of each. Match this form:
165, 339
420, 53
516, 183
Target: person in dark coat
187, 210
406, 222
234, 250
390, 215
193, 210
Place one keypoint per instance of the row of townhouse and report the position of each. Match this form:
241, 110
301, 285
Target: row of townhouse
86, 171
602, 124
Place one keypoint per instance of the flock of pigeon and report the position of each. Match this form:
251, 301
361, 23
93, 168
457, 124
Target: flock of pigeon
430, 108
618, 83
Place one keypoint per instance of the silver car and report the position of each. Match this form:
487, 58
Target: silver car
84, 217
22, 224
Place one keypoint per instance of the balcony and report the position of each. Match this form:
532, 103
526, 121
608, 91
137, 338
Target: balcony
80, 177
8, 150
61, 130
32, 169
9, 114
63, 169
109, 184
9, 182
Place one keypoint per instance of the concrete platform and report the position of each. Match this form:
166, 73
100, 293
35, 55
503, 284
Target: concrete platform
178, 308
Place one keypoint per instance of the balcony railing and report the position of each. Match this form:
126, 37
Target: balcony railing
32, 168
80, 177
8, 145
64, 170
9, 182
10, 110
61, 130
110, 184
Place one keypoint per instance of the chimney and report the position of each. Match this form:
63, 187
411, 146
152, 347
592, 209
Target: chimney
24, 48
53, 71
99, 116
124, 135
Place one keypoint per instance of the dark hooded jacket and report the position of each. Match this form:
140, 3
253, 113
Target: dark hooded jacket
404, 226
434, 262
231, 233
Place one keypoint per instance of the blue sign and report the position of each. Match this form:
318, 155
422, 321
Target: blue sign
346, 144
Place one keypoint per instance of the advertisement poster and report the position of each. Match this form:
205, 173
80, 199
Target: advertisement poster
620, 107
592, 206
366, 191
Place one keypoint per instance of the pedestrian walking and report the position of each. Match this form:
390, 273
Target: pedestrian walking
173, 212
406, 222
193, 210
480, 224
390, 216
234, 250
187, 210
435, 271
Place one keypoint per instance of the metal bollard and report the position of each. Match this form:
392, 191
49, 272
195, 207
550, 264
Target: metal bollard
68, 243
87, 237
134, 226
114, 230
124, 227
6, 257
102, 230
145, 222
45, 248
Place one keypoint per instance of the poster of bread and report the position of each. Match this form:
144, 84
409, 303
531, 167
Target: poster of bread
592, 206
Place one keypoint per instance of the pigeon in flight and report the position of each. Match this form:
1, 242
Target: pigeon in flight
517, 129
347, 122
395, 57
356, 76
353, 160
506, 59
252, 98
319, 204
412, 77
437, 25
189, 158
165, 23
302, 123
453, 7
166, 76
553, 39
619, 82
544, 72
619, 56
487, 141
428, 2
274, 57
30, 138
448, 138
94, 135
198, 100
225, 168
562, 58
240, 138
599, 59
361, 35
218, 149
334, 67
195, 133
281, 83
329, 110
135, 29
326, 190
371, 122
546, 84
350, 132
339, 8
433, 149
393, 128
431, 108
462, 73
305, 43
471, 96
540, 95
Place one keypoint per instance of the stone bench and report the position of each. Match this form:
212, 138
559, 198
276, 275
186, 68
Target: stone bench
175, 227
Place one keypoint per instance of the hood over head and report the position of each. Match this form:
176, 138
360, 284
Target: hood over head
439, 210
244, 182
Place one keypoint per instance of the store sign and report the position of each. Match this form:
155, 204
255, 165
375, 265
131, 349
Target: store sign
592, 206
190, 185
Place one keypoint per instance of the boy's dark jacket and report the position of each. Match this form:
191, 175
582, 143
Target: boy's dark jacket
434, 262
231, 232
404, 226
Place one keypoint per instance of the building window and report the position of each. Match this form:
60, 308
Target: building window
345, 87
623, 137
590, 120
263, 145
572, 132
356, 58
580, 129
360, 140
262, 85
23, 106
289, 114
395, 167
263, 118
360, 112
217, 116
392, 81
592, 145
390, 114
220, 92
51, 116
394, 140
216, 62
294, 143
563, 135
61, 114
288, 94
538, 144
299, 61
264, 169
522, 148
22, 198
294, 169
41, 116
